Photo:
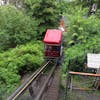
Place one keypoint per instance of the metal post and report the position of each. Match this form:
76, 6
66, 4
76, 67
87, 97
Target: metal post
31, 91
68, 83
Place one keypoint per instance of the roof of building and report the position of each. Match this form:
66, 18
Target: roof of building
53, 36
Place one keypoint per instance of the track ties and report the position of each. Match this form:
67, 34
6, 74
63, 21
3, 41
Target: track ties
53, 90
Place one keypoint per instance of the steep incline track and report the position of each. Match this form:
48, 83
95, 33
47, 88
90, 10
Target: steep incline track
53, 87
26, 84
42, 85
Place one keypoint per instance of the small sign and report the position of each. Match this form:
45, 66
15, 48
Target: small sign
93, 61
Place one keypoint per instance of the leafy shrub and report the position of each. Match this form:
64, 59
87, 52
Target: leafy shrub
80, 29
15, 27
75, 56
16, 62
80, 25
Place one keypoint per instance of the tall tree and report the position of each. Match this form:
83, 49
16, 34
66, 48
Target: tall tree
45, 12
15, 27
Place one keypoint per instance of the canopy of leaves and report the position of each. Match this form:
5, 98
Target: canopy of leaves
45, 13
76, 56
15, 27
83, 36
80, 26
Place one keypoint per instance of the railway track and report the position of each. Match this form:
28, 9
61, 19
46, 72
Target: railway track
26, 84
52, 92
42, 85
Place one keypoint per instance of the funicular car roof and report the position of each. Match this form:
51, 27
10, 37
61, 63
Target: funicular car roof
53, 36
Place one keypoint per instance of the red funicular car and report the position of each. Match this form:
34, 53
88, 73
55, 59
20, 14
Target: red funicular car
53, 43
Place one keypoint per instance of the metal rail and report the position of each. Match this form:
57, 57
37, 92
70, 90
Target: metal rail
25, 85
85, 74
45, 84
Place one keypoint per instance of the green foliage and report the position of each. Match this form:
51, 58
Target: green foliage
62, 6
81, 28
83, 36
98, 13
18, 61
45, 13
15, 27
75, 56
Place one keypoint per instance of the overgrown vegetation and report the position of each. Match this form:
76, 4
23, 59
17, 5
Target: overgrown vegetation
75, 56
16, 62
15, 28
81, 28
20, 32
83, 36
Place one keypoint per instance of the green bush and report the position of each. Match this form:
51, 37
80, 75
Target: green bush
75, 56
80, 25
15, 27
16, 62
80, 29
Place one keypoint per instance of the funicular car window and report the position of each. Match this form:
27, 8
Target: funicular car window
48, 47
55, 48
52, 48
